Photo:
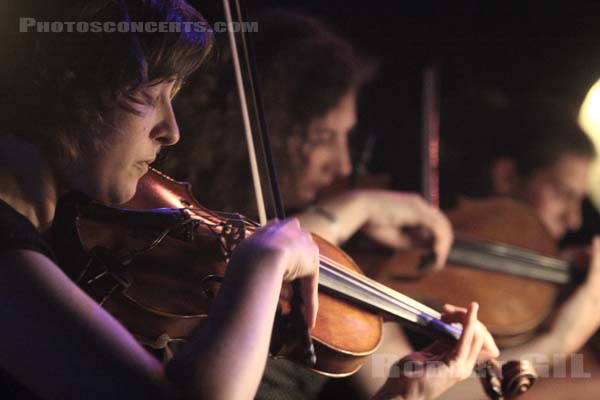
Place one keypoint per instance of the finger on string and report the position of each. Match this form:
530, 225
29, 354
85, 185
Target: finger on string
419, 235
443, 238
451, 308
442, 249
476, 345
464, 342
391, 237
452, 313
309, 286
310, 297
423, 236
490, 349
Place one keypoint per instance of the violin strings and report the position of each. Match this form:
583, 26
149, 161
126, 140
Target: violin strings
377, 289
356, 283
363, 279
363, 289
158, 239
225, 214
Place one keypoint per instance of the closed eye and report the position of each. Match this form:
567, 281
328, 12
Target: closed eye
323, 136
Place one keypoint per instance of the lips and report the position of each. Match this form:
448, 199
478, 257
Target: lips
148, 162
145, 165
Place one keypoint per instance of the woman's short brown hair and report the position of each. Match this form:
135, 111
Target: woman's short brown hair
59, 85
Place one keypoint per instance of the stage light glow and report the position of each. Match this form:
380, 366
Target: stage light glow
589, 120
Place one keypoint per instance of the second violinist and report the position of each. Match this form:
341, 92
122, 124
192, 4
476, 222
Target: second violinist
310, 79
533, 151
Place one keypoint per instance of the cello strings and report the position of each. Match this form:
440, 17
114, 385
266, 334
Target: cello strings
509, 260
513, 252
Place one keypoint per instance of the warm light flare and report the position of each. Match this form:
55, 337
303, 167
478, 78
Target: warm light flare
589, 120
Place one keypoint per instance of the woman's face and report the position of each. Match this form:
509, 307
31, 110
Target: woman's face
128, 143
557, 192
325, 152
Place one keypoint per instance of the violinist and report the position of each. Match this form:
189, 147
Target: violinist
532, 151
310, 79
88, 111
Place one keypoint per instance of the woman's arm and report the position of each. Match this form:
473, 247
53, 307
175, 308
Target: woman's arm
382, 215
246, 309
576, 320
61, 344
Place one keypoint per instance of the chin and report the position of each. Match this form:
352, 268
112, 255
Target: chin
127, 195
556, 232
560, 234
120, 194
305, 199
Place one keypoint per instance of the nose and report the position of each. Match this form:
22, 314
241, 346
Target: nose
344, 161
166, 131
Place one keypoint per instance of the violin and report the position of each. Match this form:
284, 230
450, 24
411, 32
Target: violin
502, 257
157, 262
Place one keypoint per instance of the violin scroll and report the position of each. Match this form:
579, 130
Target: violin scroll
507, 382
518, 377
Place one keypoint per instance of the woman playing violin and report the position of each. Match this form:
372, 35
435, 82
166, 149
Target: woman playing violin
88, 112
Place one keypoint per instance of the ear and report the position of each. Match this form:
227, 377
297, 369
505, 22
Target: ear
504, 177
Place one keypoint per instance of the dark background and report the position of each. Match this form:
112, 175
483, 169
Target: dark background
525, 48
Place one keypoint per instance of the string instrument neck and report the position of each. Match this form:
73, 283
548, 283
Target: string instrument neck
507, 259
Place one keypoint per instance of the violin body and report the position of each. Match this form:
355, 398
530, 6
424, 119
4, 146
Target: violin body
163, 294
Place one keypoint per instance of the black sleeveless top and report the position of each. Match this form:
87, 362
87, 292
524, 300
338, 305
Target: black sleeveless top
17, 233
